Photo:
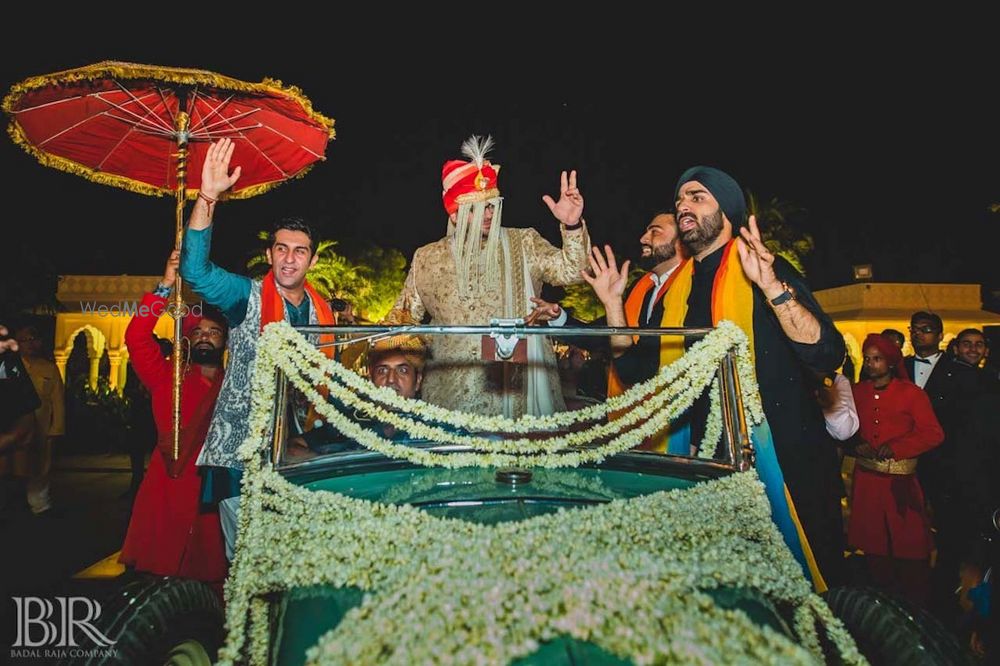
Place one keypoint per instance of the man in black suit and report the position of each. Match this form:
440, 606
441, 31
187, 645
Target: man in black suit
952, 387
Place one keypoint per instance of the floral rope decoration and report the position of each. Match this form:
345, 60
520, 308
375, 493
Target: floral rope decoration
503, 452
713, 428
646, 409
630, 576
652, 405
494, 593
293, 352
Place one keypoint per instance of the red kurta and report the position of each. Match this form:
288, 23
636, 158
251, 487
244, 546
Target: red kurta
167, 535
887, 510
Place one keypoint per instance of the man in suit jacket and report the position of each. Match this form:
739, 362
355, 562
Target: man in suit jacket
951, 387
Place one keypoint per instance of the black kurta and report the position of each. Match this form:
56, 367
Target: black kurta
785, 372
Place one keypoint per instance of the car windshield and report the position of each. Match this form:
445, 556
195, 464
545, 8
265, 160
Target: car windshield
524, 396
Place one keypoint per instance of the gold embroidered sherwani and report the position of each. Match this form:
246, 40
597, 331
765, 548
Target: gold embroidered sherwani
456, 376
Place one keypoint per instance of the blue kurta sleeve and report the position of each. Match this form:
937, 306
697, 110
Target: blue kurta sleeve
227, 291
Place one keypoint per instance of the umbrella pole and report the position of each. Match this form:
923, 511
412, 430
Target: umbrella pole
181, 193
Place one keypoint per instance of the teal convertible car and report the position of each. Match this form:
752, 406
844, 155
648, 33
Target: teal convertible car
377, 528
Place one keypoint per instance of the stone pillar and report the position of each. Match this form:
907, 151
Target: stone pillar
122, 373
95, 367
114, 360
61, 357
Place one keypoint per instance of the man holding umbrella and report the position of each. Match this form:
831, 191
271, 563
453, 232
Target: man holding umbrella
167, 534
249, 306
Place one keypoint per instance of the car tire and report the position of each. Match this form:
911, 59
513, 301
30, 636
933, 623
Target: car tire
161, 621
889, 631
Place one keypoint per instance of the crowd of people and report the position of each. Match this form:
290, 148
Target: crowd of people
921, 428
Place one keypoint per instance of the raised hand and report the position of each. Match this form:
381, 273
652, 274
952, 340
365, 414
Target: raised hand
542, 312
757, 260
569, 208
607, 281
215, 176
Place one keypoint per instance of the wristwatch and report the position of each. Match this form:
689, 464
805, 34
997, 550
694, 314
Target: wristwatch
784, 296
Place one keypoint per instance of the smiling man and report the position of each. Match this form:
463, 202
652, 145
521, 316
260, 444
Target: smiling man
248, 305
637, 359
971, 347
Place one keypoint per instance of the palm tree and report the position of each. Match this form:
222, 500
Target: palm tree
780, 235
385, 270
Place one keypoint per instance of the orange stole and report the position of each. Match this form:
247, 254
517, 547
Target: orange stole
633, 305
732, 299
272, 309
633, 309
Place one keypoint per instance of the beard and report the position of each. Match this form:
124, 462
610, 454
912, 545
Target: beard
203, 355
657, 255
704, 233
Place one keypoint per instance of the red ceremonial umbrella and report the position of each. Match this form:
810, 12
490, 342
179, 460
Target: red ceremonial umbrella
146, 129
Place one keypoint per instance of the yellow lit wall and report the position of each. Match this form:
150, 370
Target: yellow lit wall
860, 309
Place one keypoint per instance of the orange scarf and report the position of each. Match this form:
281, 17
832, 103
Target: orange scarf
272, 309
732, 299
633, 308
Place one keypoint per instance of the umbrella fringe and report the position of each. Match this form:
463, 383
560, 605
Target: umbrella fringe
254, 190
127, 70
63, 164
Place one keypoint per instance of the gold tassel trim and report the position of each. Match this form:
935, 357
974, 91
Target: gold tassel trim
127, 70
124, 70
69, 166
480, 195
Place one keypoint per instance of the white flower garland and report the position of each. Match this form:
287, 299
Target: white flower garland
499, 452
713, 427
675, 405
448, 590
629, 576
653, 404
293, 353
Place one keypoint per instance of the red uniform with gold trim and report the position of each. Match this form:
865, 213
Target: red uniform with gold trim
887, 510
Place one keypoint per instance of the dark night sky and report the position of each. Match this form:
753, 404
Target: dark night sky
892, 148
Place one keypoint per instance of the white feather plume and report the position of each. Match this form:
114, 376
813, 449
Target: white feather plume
476, 147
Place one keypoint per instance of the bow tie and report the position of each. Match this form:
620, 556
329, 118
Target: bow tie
921, 360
